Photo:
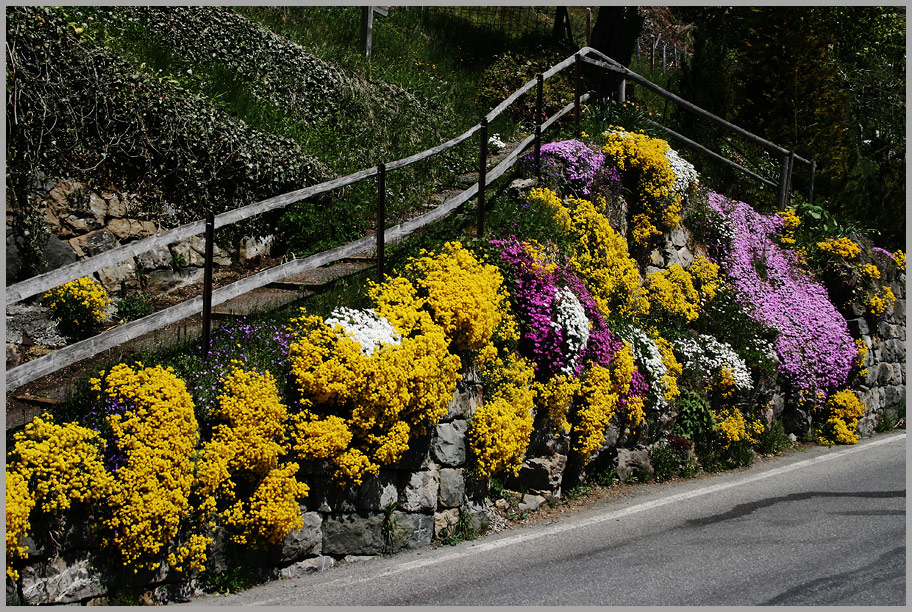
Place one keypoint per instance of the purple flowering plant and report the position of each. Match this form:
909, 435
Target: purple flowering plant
577, 167
813, 343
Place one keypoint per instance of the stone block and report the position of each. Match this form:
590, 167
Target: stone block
894, 396
93, 243
531, 503
543, 473
656, 258
420, 493
444, 519
59, 581
353, 534
377, 492
307, 566
117, 205
452, 488
156, 259
466, 400
409, 530
884, 374
858, 327
308, 540
119, 275
448, 444
58, 253
166, 281
679, 236
131, 229
255, 246
630, 462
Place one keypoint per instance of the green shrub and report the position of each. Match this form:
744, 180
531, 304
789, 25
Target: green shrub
773, 440
664, 461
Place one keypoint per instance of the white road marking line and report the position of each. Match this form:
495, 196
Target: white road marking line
617, 514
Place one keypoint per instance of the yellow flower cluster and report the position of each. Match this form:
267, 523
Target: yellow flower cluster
671, 292
50, 467
842, 247
871, 271
555, 398
600, 391
900, 258
19, 504
735, 428
499, 431
643, 161
862, 349
271, 512
157, 433
243, 454
705, 277
79, 304
841, 427
725, 384
465, 297
881, 301
792, 222
600, 254
192, 555
61, 463
363, 410
673, 368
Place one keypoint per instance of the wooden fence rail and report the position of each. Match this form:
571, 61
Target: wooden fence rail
83, 349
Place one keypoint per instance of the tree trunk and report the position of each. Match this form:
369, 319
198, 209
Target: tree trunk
615, 34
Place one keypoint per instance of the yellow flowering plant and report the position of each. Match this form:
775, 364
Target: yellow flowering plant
842, 411
647, 168
672, 295
51, 467
599, 256
154, 431
79, 305
500, 429
239, 470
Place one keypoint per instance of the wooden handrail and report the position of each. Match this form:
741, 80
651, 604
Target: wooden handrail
68, 355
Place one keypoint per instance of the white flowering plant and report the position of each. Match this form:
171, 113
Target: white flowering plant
648, 356
686, 176
707, 357
570, 317
366, 327
495, 144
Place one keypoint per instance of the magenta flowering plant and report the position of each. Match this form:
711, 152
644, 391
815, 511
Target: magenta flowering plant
813, 343
553, 305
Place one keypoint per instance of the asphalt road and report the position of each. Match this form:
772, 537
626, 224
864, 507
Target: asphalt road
825, 526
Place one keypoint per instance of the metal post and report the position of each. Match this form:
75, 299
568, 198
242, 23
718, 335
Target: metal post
207, 285
538, 121
783, 180
482, 175
811, 190
381, 219
576, 88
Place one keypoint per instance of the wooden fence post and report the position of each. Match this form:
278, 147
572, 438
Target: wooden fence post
538, 121
783, 180
482, 175
367, 27
811, 189
588, 27
207, 285
381, 220
788, 185
576, 89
